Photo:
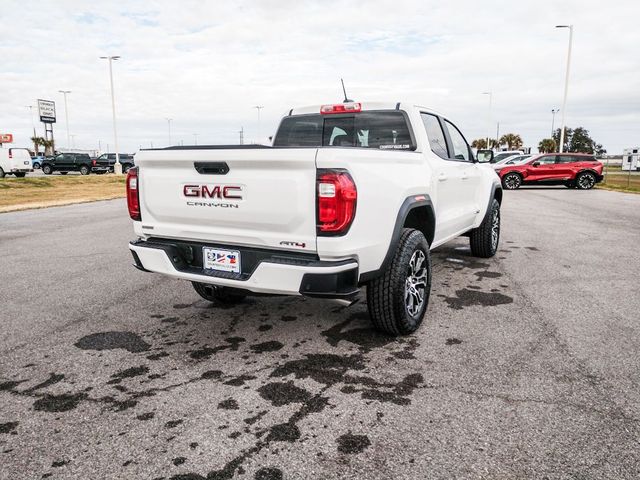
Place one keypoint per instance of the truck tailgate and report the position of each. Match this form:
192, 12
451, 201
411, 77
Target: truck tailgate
266, 198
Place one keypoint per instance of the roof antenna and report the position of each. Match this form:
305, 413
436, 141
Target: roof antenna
346, 99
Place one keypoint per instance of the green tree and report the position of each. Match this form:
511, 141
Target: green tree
579, 140
479, 143
37, 142
568, 132
513, 141
49, 146
547, 145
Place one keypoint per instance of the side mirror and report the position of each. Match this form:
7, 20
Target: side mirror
535, 164
484, 156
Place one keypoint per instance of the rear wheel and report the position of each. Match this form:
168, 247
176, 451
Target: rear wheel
484, 239
1, 173
47, 170
213, 293
511, 181
125, 168
398, 299
585, 180
20, 174
84, 170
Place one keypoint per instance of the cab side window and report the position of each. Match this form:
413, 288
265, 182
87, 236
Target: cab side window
460, 147
435, 135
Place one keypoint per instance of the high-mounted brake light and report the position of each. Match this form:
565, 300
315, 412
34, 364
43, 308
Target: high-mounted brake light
349, 107
336, 201
133, 194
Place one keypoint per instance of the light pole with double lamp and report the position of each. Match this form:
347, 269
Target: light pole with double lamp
117, 167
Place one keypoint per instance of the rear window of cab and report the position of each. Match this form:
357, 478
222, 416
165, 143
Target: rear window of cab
381, 130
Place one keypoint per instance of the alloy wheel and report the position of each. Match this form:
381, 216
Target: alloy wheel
415, 286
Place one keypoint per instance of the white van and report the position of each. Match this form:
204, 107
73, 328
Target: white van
16, 161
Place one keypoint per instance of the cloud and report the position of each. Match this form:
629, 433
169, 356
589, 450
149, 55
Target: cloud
206, 64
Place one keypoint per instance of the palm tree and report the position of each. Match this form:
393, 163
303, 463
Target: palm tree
48, 145
479, 143
547, 145
37, 142
513, 141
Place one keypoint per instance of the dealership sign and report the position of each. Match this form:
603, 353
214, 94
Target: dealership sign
47, 111
6, 138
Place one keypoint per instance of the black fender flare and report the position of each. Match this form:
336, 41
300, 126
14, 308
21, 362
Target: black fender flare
420, 201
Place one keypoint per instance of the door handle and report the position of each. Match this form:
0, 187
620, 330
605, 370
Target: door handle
442, 177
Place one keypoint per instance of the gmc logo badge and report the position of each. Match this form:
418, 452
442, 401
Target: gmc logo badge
228, 192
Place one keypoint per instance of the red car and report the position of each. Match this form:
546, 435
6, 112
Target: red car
574, 170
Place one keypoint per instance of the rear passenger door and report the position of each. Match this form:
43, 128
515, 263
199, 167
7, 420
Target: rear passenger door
565, 164
448, 180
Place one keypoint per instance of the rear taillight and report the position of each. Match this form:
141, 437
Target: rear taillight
133, 195
336, 195
93, 162
10, 154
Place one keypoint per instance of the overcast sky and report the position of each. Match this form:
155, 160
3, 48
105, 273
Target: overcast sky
206, 64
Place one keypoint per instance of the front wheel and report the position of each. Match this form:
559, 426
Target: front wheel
585, 181
213, 293
36, 165
84, 170
47, 170
484, 239
397, 300
511, 181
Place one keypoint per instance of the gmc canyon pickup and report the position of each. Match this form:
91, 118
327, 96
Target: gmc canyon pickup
349, 195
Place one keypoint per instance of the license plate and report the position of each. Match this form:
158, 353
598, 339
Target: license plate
221, 260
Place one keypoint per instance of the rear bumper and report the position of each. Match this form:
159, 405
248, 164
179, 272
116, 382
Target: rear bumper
99, 168
20, 170
264, 271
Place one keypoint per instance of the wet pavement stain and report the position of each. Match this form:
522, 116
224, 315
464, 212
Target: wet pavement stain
146, 416
268, 473
113, 340
228, 404
8, 427
128, 373
352, 444
233, 344
59, 403
271, 346
453, 341
173, 423
486, 274
281, 393
366, 338
467, 297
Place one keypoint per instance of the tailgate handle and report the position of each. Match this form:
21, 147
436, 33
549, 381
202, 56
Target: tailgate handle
212, 168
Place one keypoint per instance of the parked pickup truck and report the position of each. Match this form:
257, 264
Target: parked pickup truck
348, 196
106, 161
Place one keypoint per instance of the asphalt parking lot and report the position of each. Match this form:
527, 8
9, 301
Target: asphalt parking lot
527, 365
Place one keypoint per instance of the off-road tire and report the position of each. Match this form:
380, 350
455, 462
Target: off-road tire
386, 295
214, 294
512, 181
47, 170
84, 170
20, 174
483, 242
585, 181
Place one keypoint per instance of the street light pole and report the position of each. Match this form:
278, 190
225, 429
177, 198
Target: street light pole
553, 119
117, 167
489, 117
66, 114
169, 122
258, 108
73, 141
566, 85
30, 107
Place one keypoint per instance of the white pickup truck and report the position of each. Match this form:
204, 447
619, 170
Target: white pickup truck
349, 195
